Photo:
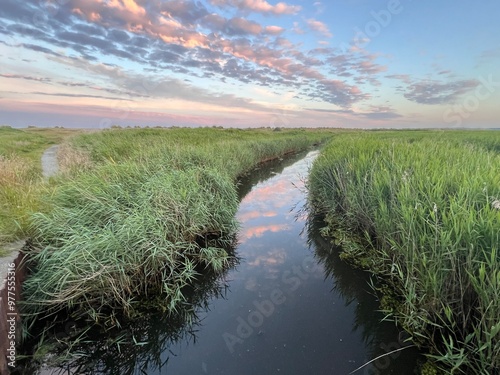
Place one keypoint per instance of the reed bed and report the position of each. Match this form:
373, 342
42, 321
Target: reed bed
153, 213
420, 210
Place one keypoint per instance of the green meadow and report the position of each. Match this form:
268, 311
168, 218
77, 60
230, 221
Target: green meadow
421, 210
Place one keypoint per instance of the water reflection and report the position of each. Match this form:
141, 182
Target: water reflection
266, 171
379, 337
291, 306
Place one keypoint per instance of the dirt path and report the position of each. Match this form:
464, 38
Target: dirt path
49, 162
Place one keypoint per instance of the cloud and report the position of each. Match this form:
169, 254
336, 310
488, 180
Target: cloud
86, 40
170, 21
369, 67
258, 231
381, 115
355, 63
443, 72
325, 110
434, 92
320, 7
259, 6
383, 112
405, 78
28, 78
34, 47
297, 29
255, 214
490, 55
237, 26
273, 30
54, 83
319, 27
21, 114
339, 93
163, 88
87, 29
188, 13
171, 37
77, 95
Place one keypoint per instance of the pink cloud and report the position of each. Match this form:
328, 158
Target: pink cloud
367, 64
128, 15
259, 6
250, 215
274, 30
319, 27
185, 24
246, 26
168, 25
267, 192
260, 230
128, 6
297, 29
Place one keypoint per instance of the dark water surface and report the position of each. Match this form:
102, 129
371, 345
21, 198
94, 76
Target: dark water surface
289, 307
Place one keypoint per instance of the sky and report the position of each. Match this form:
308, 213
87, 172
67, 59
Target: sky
250, 63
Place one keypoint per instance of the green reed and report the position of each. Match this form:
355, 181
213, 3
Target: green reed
421, 210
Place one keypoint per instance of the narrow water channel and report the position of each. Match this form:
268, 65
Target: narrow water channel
289, 307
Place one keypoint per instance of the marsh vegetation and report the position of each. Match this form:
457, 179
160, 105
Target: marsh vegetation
148, 215
137, 217
419, 209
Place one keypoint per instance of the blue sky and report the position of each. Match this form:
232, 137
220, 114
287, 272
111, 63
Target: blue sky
351, 63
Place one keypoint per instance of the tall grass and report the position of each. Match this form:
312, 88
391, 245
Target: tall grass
154, 212
71, 159
20, 176
422, 206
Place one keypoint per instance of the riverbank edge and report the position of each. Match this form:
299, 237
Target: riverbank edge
9, 281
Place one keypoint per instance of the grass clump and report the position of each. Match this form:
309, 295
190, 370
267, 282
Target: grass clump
154, 212
422, 206
125, 232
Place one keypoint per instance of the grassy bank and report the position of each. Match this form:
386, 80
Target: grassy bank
21, 175
422, 209
151, 212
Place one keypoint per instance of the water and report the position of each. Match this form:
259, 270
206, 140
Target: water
289, 307
50, 166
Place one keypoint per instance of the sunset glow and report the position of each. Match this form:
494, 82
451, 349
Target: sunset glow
249, 63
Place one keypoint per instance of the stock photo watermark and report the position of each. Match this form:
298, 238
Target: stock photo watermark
263, 309
457, 114
11, 317
379, 20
